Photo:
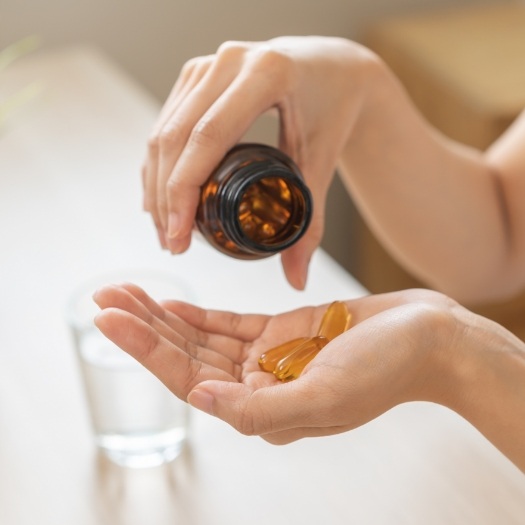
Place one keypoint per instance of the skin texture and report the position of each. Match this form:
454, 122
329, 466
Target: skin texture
462, 226
403, 346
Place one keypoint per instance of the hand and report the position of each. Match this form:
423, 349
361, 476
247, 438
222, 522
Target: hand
316, 86
395, 352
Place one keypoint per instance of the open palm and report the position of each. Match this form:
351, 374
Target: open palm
176, 339
210, 358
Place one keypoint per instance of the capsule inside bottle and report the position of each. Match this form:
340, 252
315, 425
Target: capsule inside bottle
265, 209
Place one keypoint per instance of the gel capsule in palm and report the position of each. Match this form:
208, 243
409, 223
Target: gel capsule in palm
270, 358
291, 366
335, 320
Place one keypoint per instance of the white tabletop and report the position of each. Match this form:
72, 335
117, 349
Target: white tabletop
70, 208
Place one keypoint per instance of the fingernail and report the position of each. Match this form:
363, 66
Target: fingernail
176, 246
201, 400
173, 225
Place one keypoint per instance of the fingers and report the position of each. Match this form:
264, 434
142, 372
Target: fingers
244, 327
219, 128
174, 367
172, 329
166, 142
296, 259
190, 76
269, 410
205, 116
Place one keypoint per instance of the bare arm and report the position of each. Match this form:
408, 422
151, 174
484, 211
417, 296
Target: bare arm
450, 214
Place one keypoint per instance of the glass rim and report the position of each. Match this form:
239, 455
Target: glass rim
87, 287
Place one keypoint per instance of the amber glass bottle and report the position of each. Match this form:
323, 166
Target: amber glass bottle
255, 203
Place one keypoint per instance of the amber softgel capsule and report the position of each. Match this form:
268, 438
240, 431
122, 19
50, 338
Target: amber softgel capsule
268, 361
291, 366
288, 360
335, 321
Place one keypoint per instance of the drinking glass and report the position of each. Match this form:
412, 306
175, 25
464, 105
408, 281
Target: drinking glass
137, 421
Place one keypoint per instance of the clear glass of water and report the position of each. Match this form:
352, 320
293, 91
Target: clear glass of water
137, 421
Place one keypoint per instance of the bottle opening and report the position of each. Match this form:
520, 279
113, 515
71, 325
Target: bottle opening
265, 210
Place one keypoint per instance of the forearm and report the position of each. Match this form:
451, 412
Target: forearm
434, 204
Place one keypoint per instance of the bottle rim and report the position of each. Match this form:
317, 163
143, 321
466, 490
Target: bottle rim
233, 193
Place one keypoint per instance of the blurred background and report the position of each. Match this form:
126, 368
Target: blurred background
152, 39
446, 52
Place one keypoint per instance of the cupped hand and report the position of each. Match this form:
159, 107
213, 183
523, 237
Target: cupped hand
316, 86
395, 351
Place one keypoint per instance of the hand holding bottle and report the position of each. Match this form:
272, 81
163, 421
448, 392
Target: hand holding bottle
316, 84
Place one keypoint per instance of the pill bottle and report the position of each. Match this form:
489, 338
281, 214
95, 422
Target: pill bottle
255, 203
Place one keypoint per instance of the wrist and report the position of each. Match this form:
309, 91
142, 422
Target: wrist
375, 90
490, 374
435, 377
480, 374
452, 374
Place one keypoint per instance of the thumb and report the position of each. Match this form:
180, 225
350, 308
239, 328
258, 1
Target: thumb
255, 412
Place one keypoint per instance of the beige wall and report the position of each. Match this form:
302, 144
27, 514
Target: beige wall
153, 38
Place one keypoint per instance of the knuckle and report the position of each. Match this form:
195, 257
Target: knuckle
192, 377
170, 136
195, 66
153, 143
206, 134
173, 187
151, 341
230, 50
245, 424
189, 66
251, 419
192, 349
166, 135
234, 322
423, 295
272, 62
